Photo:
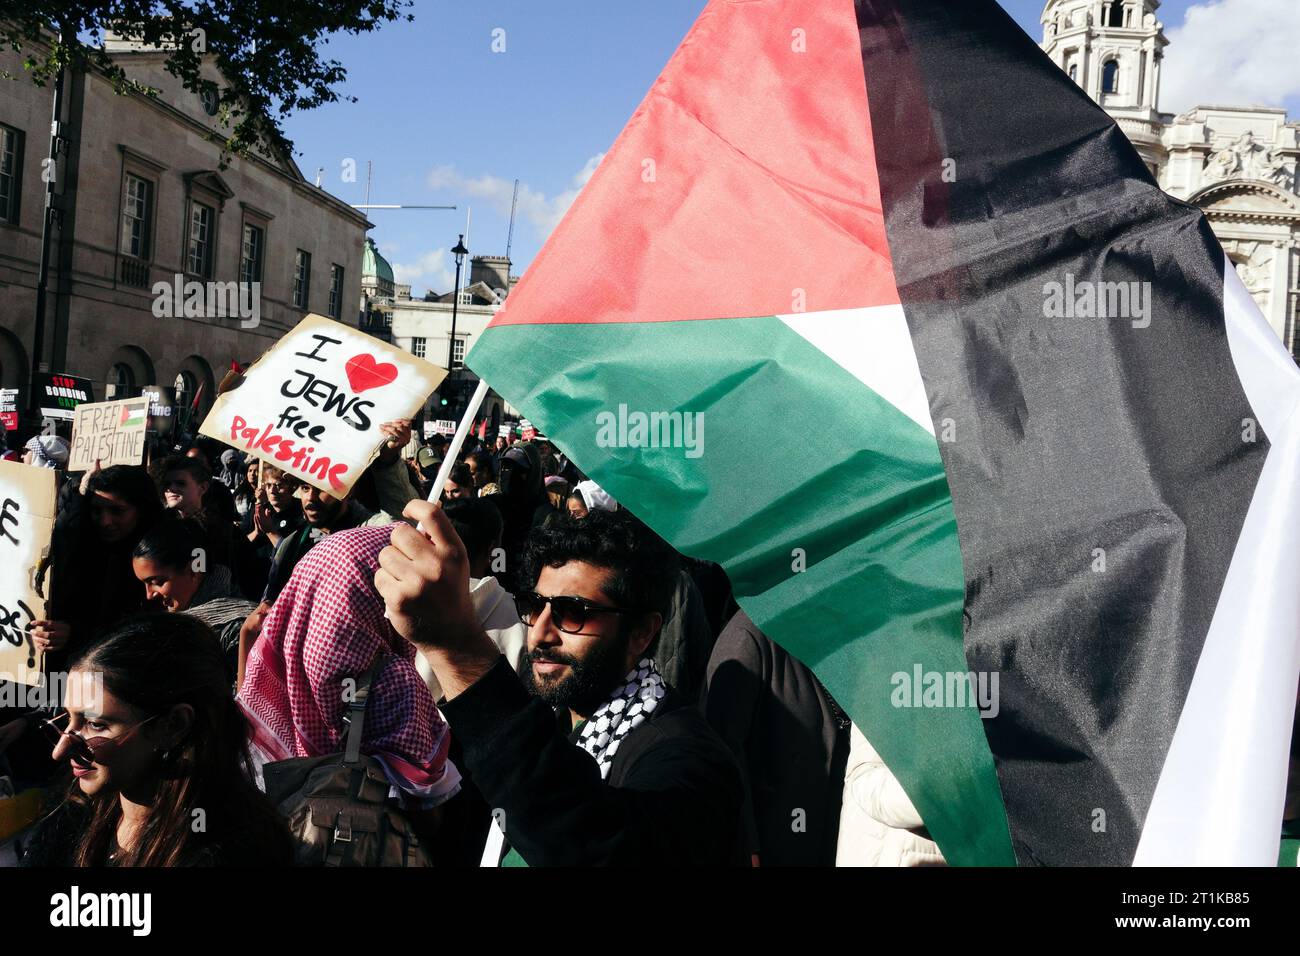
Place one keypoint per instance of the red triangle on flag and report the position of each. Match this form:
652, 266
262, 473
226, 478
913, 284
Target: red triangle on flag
754, 144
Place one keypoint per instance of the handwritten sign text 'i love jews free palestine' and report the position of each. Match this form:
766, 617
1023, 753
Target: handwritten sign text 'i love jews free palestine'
314, 402
26, 523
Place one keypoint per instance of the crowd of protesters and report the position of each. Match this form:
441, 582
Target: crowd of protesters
522, 674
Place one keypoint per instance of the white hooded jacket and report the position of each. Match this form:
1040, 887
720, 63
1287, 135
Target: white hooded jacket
878, 822
499, 617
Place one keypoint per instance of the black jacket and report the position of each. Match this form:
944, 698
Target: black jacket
791, 739
673, 795
54, 842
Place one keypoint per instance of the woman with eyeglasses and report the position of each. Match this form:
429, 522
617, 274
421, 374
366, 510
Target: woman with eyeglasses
276, 510
156, 745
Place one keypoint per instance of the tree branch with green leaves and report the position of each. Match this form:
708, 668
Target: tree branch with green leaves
268, 53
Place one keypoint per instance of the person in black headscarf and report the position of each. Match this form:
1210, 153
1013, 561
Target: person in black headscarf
91, 583
524, 505
231, 471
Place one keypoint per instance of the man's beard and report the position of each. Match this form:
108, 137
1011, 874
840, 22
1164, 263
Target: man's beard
588, 684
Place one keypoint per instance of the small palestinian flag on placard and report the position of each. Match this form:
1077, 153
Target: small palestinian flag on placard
133, 415
1056, 445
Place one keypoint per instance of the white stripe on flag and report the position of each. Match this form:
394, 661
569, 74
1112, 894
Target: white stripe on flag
873, 345
1219, 797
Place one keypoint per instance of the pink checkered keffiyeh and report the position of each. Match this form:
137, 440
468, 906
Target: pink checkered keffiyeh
327, 625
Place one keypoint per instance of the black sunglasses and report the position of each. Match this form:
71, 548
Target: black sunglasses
568, 613
83, 748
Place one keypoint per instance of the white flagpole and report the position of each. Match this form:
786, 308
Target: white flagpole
458, 440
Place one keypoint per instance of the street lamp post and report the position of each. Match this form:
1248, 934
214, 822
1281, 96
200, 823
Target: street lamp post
51, 214
459, 252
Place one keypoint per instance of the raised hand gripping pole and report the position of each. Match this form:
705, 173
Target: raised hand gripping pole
458, 440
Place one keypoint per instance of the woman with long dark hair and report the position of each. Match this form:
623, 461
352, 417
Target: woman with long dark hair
246, 494
157, 747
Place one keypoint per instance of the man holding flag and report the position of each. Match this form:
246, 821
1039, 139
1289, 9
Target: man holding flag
1084, 504
662, 788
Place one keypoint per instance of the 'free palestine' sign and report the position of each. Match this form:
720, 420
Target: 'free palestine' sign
111, 433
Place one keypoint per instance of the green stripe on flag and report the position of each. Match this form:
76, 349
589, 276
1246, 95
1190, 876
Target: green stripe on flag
798, 458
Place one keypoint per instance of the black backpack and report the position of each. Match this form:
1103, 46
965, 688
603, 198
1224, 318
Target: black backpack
337, 806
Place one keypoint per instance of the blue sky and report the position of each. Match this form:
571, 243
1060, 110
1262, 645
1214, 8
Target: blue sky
446, 120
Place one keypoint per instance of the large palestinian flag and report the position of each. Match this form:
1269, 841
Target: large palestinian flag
952, 387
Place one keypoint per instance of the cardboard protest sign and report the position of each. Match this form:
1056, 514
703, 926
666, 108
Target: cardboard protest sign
444, 426
313, 404
56, 395
162, 408
26, 523
110, 432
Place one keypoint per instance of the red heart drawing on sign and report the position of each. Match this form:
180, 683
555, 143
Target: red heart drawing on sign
365, 373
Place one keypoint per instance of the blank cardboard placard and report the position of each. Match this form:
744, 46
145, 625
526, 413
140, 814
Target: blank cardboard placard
314, 402
26, 524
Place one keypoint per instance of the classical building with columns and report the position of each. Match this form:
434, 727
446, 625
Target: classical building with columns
1238, 163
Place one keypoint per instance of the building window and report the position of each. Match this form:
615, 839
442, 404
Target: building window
457, 353
137, 217
1110, 77
202, 221
11, 172
417, 347
1074, 72
1116, 15
121, 382
301, 278
336, 291
250, 253
185, 385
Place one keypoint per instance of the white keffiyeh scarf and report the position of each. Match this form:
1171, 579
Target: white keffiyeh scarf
627, 708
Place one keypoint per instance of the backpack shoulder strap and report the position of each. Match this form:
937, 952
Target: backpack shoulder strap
356, 715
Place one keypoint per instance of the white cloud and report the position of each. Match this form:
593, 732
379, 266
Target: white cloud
1232, 52
431, 271
535, 207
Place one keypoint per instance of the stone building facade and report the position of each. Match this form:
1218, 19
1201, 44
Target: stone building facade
145, 206
1238, 163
